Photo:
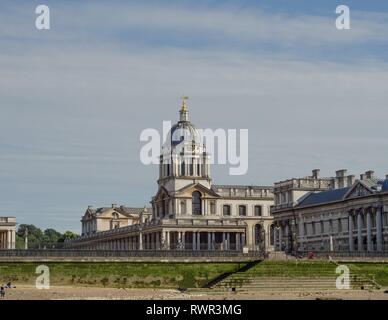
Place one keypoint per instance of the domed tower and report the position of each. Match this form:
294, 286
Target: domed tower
184, 184
183, 159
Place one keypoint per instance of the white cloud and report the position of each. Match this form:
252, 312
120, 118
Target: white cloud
71, 115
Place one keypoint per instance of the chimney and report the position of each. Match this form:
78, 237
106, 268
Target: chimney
350, 180
90, 207
340, 177
369, 174
340, 173
362, 176
114, 205
316, 173
386, 176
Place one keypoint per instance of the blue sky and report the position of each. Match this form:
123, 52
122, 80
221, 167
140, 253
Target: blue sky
74, 99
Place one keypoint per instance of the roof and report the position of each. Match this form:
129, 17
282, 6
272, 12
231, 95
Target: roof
230, 186
384, 186
324, 197
124, 210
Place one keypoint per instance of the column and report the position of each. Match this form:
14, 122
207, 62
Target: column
359, 231
209, 241
168, 240
301, 232
351, 243
198, 240
179, 240
228, 241
287, 237
140, 241
379, 234
213, 241
275, 238
9, 239
280, 238
369, 231
224, 241
184, 240
237, 241
243, 239
194, 237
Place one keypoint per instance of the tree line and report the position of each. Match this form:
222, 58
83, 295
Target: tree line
41, 239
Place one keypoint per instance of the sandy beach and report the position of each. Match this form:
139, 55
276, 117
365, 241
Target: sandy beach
24, 292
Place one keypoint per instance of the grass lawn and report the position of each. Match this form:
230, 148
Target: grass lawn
119, 274
174, 275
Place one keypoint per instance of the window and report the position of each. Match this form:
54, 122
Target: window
258, 211
212, 207
191, 169
226, 210
197, 203
242, 210
183, 207
183, 171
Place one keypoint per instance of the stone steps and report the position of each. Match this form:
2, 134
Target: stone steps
248, 282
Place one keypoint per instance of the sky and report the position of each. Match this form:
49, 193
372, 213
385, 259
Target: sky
74, 99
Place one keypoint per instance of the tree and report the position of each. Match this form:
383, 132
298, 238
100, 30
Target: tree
52, 235
68, 235
34, 234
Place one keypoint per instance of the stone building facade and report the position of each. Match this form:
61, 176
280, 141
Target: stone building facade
337, 213
187, 211
7, 232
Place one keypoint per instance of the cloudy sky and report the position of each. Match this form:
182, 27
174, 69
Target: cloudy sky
74, 99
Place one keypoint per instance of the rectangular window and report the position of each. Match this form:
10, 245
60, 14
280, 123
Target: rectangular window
258, 211
212, 208
226, 210
242, 210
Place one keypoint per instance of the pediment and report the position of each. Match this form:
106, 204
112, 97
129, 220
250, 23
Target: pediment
189, 189
161, 194
111, 213
359, 189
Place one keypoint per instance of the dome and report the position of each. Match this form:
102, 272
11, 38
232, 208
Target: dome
384, 186
184, 131
183, 135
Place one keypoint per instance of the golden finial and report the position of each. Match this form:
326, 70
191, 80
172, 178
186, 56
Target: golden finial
184, 106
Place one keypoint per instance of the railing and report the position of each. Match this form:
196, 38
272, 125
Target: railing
344, 254
11, 220
127, 253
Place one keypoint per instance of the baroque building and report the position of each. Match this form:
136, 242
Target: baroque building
331, 214
188, 212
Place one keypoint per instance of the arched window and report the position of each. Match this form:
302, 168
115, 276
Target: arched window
197, 203
183, 171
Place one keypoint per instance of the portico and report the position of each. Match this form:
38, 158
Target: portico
7, 233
